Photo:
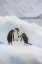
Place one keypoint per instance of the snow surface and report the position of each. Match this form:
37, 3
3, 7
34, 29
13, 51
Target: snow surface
18, 53
21, 8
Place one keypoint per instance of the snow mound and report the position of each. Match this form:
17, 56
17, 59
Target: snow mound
20, 54
10, 22
33, 31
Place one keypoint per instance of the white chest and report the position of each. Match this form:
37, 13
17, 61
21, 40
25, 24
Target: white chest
15, 35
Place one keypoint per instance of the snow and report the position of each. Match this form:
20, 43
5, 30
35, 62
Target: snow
22, 53
18, 53
21, 8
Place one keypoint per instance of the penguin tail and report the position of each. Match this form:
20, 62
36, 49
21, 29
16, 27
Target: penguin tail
29, 43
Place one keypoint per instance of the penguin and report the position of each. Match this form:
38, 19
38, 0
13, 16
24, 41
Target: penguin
25, 39
13, 35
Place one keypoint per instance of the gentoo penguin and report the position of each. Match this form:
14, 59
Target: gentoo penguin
25, 38
12, 35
